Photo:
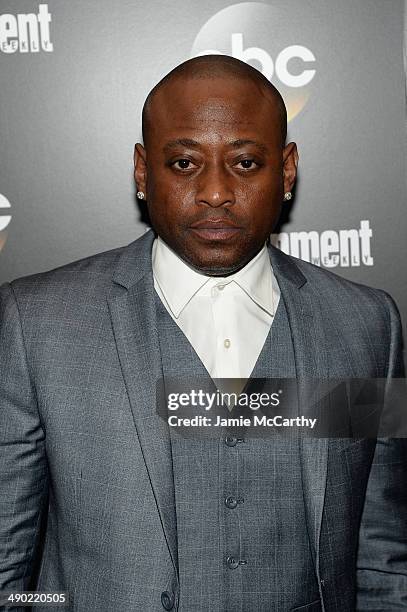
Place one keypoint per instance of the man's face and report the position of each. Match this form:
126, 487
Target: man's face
214, 170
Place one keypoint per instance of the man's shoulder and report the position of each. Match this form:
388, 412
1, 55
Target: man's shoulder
335, 293
80, 286
323, 279
82, 275
94, 271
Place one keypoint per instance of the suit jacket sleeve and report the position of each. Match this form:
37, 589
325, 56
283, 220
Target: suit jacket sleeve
382, 553
23, 468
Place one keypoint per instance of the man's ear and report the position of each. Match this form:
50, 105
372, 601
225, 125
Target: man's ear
290, 163
140, 168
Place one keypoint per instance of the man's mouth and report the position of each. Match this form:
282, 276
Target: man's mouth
215, 229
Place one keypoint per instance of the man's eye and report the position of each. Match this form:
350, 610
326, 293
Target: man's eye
183, 164
247, 164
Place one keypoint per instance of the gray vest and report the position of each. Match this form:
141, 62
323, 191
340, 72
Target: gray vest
242, 537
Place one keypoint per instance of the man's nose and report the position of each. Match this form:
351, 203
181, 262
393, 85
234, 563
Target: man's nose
215, 187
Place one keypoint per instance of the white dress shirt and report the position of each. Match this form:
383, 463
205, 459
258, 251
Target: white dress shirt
226, 319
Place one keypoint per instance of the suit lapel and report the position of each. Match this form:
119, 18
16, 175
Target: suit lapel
132, 310
312, 362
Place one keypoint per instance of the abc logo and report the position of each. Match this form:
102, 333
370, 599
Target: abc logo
4, 220
232, 31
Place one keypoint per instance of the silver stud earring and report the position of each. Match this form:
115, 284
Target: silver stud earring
287, 196
140, 195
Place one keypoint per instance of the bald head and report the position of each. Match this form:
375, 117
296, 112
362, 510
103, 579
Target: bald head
211, 67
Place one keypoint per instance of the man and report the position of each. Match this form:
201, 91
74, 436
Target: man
135, 517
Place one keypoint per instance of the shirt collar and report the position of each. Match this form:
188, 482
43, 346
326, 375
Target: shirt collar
256, 280
179, 282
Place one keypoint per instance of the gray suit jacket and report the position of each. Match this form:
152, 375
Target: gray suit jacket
85, 461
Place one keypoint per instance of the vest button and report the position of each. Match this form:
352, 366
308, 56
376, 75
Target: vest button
167, 600
230, 440
231, 502
232, 563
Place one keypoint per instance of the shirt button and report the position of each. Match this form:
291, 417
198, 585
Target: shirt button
232, 563
226, 343
221, 287
230, 441
167, 600
231, 502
